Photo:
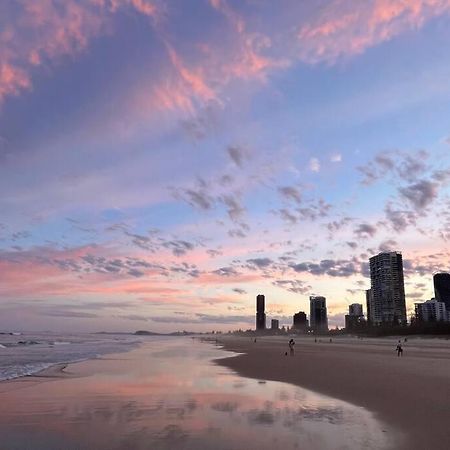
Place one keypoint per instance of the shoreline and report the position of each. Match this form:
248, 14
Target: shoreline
410, 394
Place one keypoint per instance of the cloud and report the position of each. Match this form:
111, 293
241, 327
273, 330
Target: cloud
39, 31
420, 194
234, 209
296, 286
344, 28
364, 230
314, 165
197, 198
288, 216
337, 225
290, 193
13, 80
399, 219
178, 247
238, 155
388, 246
136, 273
226, 272
70, 314
333, 268
247, 59
236, 232
204, 318
260, 263
315, 210
240, 291
135, 317
404, 166
336, 158
193, 79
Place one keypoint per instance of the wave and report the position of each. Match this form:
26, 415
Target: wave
25, 358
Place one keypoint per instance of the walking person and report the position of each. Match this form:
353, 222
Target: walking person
399, 349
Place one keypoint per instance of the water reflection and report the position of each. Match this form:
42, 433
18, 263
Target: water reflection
169, 395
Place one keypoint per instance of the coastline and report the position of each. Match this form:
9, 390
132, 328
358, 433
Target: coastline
410, 393
56, 371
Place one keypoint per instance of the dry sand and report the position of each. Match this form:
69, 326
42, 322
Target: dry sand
411, 393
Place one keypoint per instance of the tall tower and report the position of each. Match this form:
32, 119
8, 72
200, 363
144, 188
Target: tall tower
370, 308
260, 312
318, 319
300, 322
387, 289
441, 283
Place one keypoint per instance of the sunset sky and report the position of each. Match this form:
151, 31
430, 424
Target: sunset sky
162, 162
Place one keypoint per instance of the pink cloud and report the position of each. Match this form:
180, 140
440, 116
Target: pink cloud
12, 80
45, 30
346, 28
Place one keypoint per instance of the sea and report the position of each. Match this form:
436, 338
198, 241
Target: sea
24, 354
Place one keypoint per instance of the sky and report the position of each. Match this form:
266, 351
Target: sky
162, 162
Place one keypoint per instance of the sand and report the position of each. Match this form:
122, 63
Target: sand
168, 395
411, 393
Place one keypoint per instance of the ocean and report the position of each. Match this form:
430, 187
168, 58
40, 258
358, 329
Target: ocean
24, 354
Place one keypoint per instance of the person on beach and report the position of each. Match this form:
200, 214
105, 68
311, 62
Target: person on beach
291, 347
399, 349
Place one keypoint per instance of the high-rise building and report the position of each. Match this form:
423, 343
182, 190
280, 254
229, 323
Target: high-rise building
300, 322
355, 309
260, 312
441, 283
355, 316
370, 307
431, 311
275, 324
318, 314
387, 289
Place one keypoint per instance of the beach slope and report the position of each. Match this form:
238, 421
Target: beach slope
410, 393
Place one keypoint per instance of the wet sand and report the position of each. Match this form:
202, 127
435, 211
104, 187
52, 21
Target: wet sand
411, 393
170, 395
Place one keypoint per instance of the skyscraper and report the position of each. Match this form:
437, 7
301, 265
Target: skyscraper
387, 289
441, 283
318, 314
300, 322
370, 307
355, 316
431, 311
260, 312
355, 309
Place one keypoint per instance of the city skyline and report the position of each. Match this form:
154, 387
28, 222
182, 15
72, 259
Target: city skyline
163, 162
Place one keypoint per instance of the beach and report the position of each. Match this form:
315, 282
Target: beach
170, 394
410, 393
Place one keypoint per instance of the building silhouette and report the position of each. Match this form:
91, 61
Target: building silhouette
318, 314
431, 311
275, 324
260, 312
300, 322
370, 308
355, 317
387, 304
441, 283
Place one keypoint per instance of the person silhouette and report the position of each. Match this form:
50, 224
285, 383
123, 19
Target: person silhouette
291, 347
399, 349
